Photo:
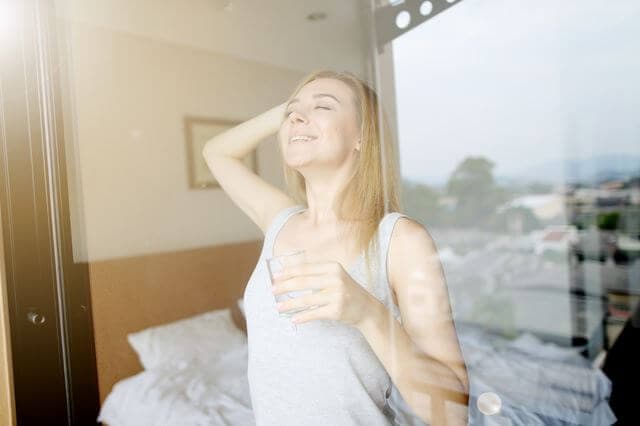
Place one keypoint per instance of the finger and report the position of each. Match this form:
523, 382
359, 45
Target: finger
322, 312
309, 282
306, 301
303, 269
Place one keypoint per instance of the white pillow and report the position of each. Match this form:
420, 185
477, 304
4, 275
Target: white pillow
205, 336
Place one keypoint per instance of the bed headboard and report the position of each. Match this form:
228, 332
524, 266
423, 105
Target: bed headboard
133, 293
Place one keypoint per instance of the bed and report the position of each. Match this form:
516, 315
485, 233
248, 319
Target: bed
186, 364
131, 294
194, 374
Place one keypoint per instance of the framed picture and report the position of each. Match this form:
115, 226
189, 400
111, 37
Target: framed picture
198, 130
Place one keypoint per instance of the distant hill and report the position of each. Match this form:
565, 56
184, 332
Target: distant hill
587, 170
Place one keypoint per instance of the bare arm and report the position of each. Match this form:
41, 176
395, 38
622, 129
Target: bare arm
422, 354
224, 155
240, 140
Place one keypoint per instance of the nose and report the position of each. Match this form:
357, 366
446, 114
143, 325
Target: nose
295, 116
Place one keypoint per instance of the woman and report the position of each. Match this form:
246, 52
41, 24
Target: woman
370, 330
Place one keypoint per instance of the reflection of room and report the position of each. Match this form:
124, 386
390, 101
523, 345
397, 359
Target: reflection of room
158, 250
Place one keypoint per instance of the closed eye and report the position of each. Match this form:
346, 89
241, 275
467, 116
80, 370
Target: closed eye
288, 113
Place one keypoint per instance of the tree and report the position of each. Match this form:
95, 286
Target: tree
608, 221
473, 185
421, 202
516, 219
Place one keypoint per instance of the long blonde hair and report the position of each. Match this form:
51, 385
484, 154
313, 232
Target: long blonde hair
375, 180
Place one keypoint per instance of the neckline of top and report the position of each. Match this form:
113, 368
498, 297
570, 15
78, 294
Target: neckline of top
299, 209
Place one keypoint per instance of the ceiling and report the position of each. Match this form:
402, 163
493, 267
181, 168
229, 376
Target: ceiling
274, 32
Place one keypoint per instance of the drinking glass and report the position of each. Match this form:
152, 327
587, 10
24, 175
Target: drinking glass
276, 264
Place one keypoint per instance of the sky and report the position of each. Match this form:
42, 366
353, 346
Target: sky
519, 82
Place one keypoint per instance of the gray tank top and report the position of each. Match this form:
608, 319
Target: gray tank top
326, 373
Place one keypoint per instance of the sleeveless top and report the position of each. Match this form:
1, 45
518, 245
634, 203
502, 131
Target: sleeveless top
325, 373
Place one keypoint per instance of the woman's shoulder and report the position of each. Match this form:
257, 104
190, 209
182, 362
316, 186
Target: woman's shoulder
403, 221
409, 236
410, 245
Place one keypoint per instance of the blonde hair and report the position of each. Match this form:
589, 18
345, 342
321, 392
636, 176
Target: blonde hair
375, 179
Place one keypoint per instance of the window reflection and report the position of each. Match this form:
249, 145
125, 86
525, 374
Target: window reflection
518, 149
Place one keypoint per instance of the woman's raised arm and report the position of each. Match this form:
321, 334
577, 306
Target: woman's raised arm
224, 155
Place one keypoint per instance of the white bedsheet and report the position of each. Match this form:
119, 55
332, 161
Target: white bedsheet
196, 393
540, 384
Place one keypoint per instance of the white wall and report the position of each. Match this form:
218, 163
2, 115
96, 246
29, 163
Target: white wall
125, 101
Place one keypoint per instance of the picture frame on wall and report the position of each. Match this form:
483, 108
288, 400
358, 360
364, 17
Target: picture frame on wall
199, 130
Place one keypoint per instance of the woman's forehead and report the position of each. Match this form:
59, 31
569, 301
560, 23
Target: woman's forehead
328, 86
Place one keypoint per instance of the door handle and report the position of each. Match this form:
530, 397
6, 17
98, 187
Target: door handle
36, 317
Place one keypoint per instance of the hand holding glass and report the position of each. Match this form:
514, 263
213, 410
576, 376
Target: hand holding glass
276, 265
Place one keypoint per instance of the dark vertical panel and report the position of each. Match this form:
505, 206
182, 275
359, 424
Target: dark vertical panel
49, 311
37, 367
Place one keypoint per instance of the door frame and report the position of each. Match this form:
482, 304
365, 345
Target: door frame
48, 301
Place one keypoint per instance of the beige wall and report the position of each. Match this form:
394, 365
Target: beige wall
130, 95
136, 69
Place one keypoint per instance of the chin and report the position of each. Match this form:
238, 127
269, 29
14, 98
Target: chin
297, 162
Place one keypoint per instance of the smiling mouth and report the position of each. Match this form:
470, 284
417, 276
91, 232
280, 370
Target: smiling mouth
301, 139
